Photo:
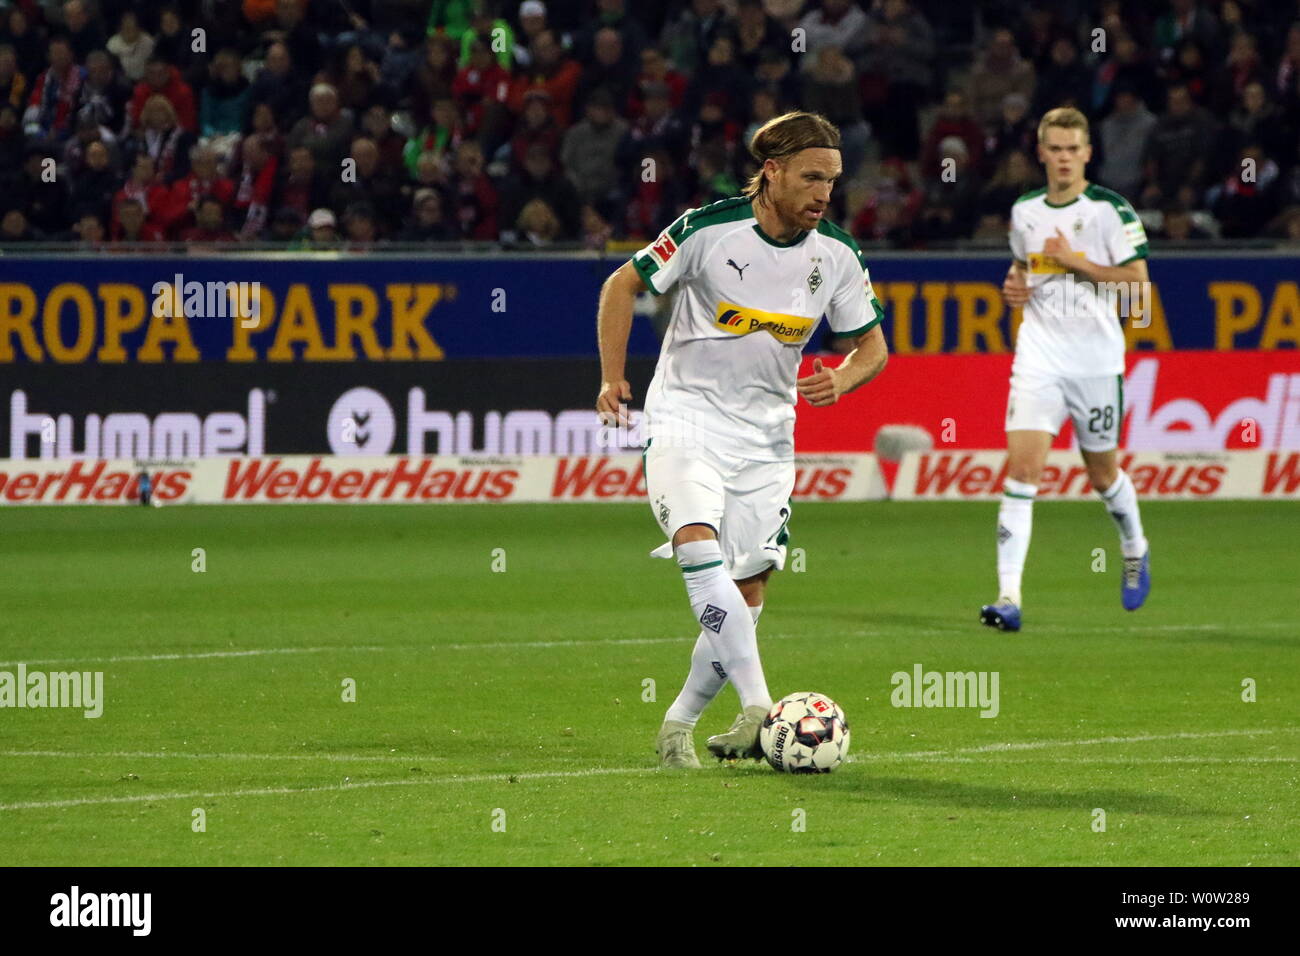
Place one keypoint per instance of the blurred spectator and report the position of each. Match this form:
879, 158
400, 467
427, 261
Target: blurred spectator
1243, 66
1124, 137
953, 119
20, 34
756, 32
203, 182
132, 46
1189, 68
532, 21
326, 131
291, 27
1015, 175
536, 127
89, 230
1064, 80
14, 228
775, 73
553, 71
539, 179
377, 123
1287, 79
84, 32
896, 70
763, 106
354, 76
55, 94
688, 37
173, 44
1244, 201
435, 75
537, 223
301, 187
1177, 166
714, 178
209, 223
428, 221
589, 149
482, 89
143, 194
474, 197
322, 228
1186, 20
37, 191
1177, 224
92, 188
443, 135
1127, 68
656, 71
74, 151
163, 79
286, 225
360, 229
13, 85
595, 230
366, 182
837, 23
279, 84
160, 137
612, 15
1015, 131
611, 68
105, 92
225, 101
254, 180
1255, 120
719, 76
999, 70
714, 129
951, 194
831, 90
657, 128
11, 139
891, 207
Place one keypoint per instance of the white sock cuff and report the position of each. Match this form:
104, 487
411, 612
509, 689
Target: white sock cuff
699, 555
1018, 489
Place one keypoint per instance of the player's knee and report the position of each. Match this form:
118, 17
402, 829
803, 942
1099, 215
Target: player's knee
1027, 472
693, 532
1102, 476
753, 588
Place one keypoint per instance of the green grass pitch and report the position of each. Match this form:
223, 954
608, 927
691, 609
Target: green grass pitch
499, 715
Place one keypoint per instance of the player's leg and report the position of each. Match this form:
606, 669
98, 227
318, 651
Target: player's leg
1097, 406
754, 535
687, 494
1035, 410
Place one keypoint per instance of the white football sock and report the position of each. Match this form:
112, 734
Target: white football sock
1015, 524
728, 622
1121, 501
705, 680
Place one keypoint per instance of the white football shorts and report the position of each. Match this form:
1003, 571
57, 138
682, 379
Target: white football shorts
1095, 405
746, 502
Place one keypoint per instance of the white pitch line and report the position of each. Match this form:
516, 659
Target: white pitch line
331, 788
164, 755
935, 756
619, 642
1045, 744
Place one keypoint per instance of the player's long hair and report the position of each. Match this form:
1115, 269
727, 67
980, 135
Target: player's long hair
784, 136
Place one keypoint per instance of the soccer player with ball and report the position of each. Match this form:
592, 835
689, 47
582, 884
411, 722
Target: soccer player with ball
754, 276
1076, 248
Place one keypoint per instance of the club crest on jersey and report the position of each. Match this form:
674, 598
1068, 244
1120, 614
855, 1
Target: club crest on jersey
1078, 226
815, 279
663, 248
790, 329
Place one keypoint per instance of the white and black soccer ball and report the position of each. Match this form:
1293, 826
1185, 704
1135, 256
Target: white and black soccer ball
805, 733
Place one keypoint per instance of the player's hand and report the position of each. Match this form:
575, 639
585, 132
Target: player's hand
1015, 290
821, 387
1057, 250
611, 404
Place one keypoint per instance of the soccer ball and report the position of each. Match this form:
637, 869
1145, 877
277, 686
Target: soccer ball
805, 733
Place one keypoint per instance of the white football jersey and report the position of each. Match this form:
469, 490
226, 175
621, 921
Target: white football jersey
1070, 326
746, 306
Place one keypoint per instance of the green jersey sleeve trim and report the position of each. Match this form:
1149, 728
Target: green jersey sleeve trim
1141, 254
865, 329
646, 270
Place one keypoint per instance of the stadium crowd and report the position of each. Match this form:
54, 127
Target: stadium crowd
321, 123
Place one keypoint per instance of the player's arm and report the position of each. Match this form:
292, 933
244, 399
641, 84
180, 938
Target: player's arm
1057, 249
613, 326
860, 366
1015, 287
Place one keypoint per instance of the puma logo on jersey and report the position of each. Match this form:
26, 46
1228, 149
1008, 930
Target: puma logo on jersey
739, 269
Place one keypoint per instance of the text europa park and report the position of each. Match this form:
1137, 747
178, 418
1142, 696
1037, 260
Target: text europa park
103, 323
